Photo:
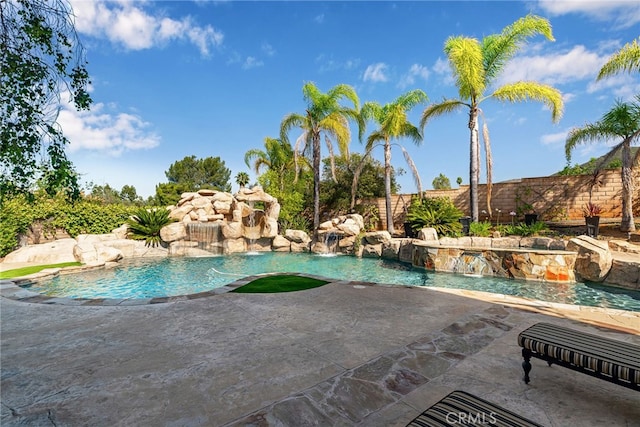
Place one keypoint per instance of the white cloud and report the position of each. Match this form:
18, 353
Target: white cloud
129, 25
327, 63
319, 18
268, 49
620, 13
409, 79
251, 62
101, 130
554, 138
376, 73
575, 64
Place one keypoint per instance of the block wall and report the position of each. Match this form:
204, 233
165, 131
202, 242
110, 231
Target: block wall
553, 198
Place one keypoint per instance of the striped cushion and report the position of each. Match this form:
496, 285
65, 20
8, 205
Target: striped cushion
461, 408
616, 359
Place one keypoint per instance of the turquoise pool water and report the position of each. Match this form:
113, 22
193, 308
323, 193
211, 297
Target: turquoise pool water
180, 276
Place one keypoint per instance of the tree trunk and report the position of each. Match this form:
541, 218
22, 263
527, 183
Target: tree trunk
316, 182
627, 223
474, 163
387, 186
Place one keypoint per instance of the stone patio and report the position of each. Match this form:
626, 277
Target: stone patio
344, 354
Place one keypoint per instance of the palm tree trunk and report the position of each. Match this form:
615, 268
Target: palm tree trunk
474, 162
627, 223
387, 186
316, 182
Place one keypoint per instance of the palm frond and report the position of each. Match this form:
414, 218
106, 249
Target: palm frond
498, 49
445, 107
344, 91
332, 158
465, 58
337, 126
585, 134
621, 121
627, 59
489, 160
524, 91
414, 170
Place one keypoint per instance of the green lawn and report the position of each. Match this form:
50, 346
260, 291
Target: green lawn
280, 283
24, 271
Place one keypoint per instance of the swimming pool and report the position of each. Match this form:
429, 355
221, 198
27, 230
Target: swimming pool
151, 278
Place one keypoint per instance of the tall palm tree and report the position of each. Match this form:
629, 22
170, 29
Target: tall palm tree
324, 115
622, 121
476, 65
626, 59
277, 156
242, 179
393, 124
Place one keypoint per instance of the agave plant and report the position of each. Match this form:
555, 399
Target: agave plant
146, 225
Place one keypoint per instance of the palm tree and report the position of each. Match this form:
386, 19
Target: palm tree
622, 121
476, 66
393, 124
626, 59
242, 179
324, 115
278, 156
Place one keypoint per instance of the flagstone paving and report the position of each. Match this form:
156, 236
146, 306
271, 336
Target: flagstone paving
343, 354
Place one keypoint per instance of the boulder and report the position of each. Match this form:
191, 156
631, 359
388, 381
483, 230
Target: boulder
326, 225
85, 252
121, 232
222, 197
372, 250
300, 246
357, 218
179, 213
377, 237
594, 259
281, 244
623, 246
625, 271
391, 250
174, 231
273, 210
232, 246
232, 230
428, 234
270, 229
55, 252
297, 236
349, 228
200, 202
222, 207
186, 197
108, 254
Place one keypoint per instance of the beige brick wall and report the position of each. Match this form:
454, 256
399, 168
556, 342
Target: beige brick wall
554, 198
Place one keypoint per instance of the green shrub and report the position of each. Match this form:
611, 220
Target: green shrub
147, 223
439, 213
480, 229
522, 229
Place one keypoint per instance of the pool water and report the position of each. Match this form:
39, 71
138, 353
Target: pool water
179, 276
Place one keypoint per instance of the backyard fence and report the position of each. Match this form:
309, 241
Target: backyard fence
553, 198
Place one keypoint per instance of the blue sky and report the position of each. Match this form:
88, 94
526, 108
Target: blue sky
172, 79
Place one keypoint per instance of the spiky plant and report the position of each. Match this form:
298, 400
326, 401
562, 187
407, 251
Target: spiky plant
146, 225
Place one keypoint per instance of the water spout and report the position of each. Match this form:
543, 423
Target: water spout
207, 235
